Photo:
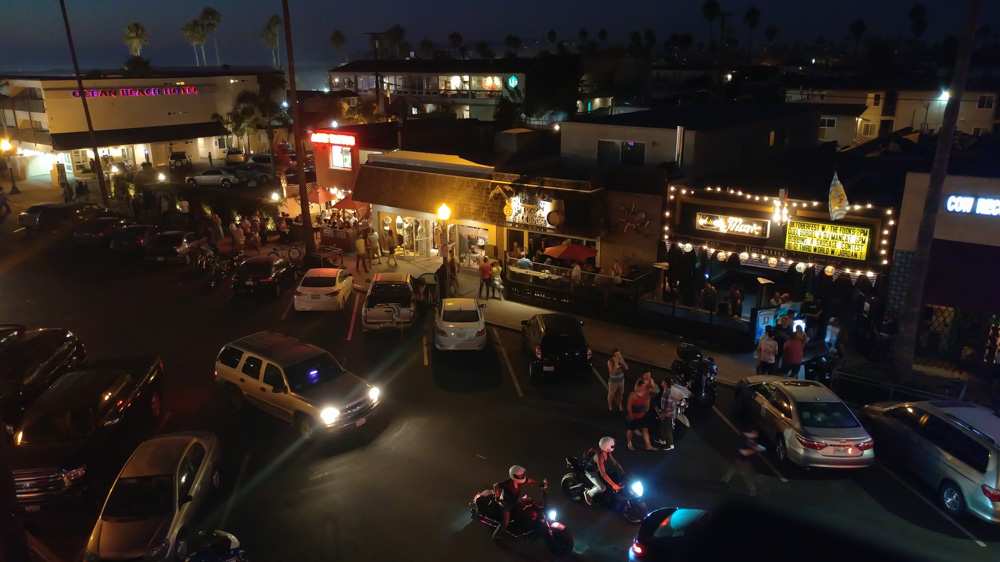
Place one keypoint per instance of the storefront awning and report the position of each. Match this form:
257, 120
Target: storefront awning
139, 135
468, 197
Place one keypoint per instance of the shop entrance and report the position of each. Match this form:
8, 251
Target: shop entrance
414, 236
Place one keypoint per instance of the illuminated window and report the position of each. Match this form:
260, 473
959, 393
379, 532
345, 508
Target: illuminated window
340, 157
868, 130
827, 122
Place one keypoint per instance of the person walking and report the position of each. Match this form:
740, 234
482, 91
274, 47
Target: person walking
374, 247
743, 466
670, 397
4, 205
616, 380
485, 277
360, 254
239, 238
792, 354
575, 276
497, 280
635, 416
390, 250
453, 275
767, 352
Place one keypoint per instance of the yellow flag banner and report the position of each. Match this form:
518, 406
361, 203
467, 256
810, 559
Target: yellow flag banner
838, 199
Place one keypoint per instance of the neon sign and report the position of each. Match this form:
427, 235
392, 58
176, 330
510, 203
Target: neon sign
332, 138
968, 205
152, 91
739, 226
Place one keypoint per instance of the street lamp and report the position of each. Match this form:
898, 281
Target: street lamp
443, 214
8, 150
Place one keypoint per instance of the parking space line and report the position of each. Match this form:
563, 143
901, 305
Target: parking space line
354, 317
235, 490
506, 360
604, 383
40, 549
736, 430
424, 347
939, 511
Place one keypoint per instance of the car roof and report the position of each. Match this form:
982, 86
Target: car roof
391, 277
157, 456
260, 259
460, 304
323, 272
559, 322
78, 388
798, 390
974, 416
278, 348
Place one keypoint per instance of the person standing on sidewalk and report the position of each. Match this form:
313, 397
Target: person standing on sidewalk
390, 250
793, 352
485, 277
360, 254
616, 380
453, 275
497, 285
743, 465
767, 352
635, 416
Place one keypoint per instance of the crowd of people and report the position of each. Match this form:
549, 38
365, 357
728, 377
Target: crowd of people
780, 351
651, 409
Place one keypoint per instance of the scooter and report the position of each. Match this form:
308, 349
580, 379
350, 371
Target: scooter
532, 520
697, 372
628, 501
215, 546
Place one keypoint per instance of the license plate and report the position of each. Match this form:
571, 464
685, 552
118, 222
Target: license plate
315, 297
548, 368
844, 452
360, 422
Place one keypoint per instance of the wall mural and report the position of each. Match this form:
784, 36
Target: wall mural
634, 219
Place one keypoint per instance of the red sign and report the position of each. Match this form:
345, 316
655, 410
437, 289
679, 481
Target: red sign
332, 138
152, 91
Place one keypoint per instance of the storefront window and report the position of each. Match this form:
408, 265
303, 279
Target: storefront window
340, 157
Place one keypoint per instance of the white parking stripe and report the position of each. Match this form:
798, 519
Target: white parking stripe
506, 360
426, 359
604, 383
924, 499
738, 432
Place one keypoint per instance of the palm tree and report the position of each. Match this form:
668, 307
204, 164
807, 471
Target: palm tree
395, 38
337, 39
456, 41
271, 38
857, 29
135, 38
918, 20
771, 33
426, 48
194, 33
513, 44
484, 51
752, 19
211, 18
262, 105
711, 11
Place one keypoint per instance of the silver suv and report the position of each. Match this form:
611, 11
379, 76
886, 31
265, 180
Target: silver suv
950, 445
295, 382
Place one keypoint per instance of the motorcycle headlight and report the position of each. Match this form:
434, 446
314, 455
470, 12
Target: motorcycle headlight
158, 550
373, 393
329, 415
552, 514
637, 488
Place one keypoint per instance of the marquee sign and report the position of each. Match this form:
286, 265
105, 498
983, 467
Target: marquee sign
152, 91
969, 205
824, 239
737, 226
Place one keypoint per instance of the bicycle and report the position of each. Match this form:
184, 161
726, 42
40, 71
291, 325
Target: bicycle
290, 252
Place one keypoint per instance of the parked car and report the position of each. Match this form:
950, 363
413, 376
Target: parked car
69, 436
30, 361
264, 159
179, 161
149, 511
670, 534
214, 177
235, 156
295, 382
263, 273
131, 240
953, 446
97, 230
50, 216
169, 246
324, 288
252, 174
556, 344
389, 302
460, 324
807, 424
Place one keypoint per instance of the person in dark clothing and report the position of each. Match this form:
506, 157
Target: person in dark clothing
509, 493
441, 275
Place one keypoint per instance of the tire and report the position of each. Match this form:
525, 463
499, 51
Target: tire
572, 486
634, 511
951, 499
781, 450
304, 426
294, 253
226, 184
560, 542
234, 397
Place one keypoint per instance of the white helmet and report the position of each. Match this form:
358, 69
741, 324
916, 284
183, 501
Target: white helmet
607, 444
517, 473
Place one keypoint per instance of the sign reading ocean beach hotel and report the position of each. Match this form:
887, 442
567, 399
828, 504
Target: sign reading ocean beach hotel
151, 91
834, 240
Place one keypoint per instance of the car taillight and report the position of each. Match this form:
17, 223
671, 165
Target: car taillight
992, 493
810, 444
538, 352
637, 549
481, 332
215, 374
866, 444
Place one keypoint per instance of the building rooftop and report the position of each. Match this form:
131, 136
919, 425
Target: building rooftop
157, 72
699, 117
448, 66
429, 160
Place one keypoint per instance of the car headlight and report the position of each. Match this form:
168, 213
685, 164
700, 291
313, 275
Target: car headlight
329, 415
637, 488
373, 393
552, 514
158, 550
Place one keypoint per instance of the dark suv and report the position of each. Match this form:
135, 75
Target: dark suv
50, 216
31, 360
263, 273
556, 344
73, 434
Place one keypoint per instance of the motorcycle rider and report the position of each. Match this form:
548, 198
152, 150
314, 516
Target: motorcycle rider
597, 471
509, 493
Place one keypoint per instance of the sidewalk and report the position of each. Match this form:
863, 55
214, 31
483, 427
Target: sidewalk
658, 349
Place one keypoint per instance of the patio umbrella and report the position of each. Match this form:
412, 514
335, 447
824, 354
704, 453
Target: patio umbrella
571, 252
349, 203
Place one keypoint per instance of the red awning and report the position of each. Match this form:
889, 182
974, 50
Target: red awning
350, 203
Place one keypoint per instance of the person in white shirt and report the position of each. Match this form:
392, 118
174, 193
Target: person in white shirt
767, 352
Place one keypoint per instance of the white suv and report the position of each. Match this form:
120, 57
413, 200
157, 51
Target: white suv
295, 382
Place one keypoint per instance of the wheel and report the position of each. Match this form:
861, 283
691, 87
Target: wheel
572, 486
234, 396
294, 253
226, 183
634, 511
304, 425
951, 498
780, 450
560, 542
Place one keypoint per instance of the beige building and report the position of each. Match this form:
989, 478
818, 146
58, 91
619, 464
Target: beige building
891, 110
135, 120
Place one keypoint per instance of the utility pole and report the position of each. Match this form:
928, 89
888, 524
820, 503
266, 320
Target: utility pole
86, 108
300, 155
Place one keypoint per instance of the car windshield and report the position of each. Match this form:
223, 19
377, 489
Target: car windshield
829, 415
256, 268
60, 427
318, 281
30, 352
140, 498
398, 293
316, 370
460, 315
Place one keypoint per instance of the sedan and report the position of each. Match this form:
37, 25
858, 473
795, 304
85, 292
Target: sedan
263, 273
153, 502
807, 423
556, 344
30, 361
324, 289
214, 177
97, 231
460, 324
669, 534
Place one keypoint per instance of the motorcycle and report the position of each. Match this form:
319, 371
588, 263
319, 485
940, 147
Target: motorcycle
221, 269
215, 546
628, 501
696, 371
531, 519
821, 367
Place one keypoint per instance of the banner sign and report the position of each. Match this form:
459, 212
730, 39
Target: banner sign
738, 226
970, 205
834, 240
152, 91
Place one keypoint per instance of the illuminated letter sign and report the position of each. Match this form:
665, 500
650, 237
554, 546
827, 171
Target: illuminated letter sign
968, 205
738, 226
824, 239
137, 92
332, 138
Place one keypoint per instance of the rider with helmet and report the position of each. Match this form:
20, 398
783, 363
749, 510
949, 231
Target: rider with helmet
597, 469
509, 493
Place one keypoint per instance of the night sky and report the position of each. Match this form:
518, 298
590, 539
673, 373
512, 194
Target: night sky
31, 30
